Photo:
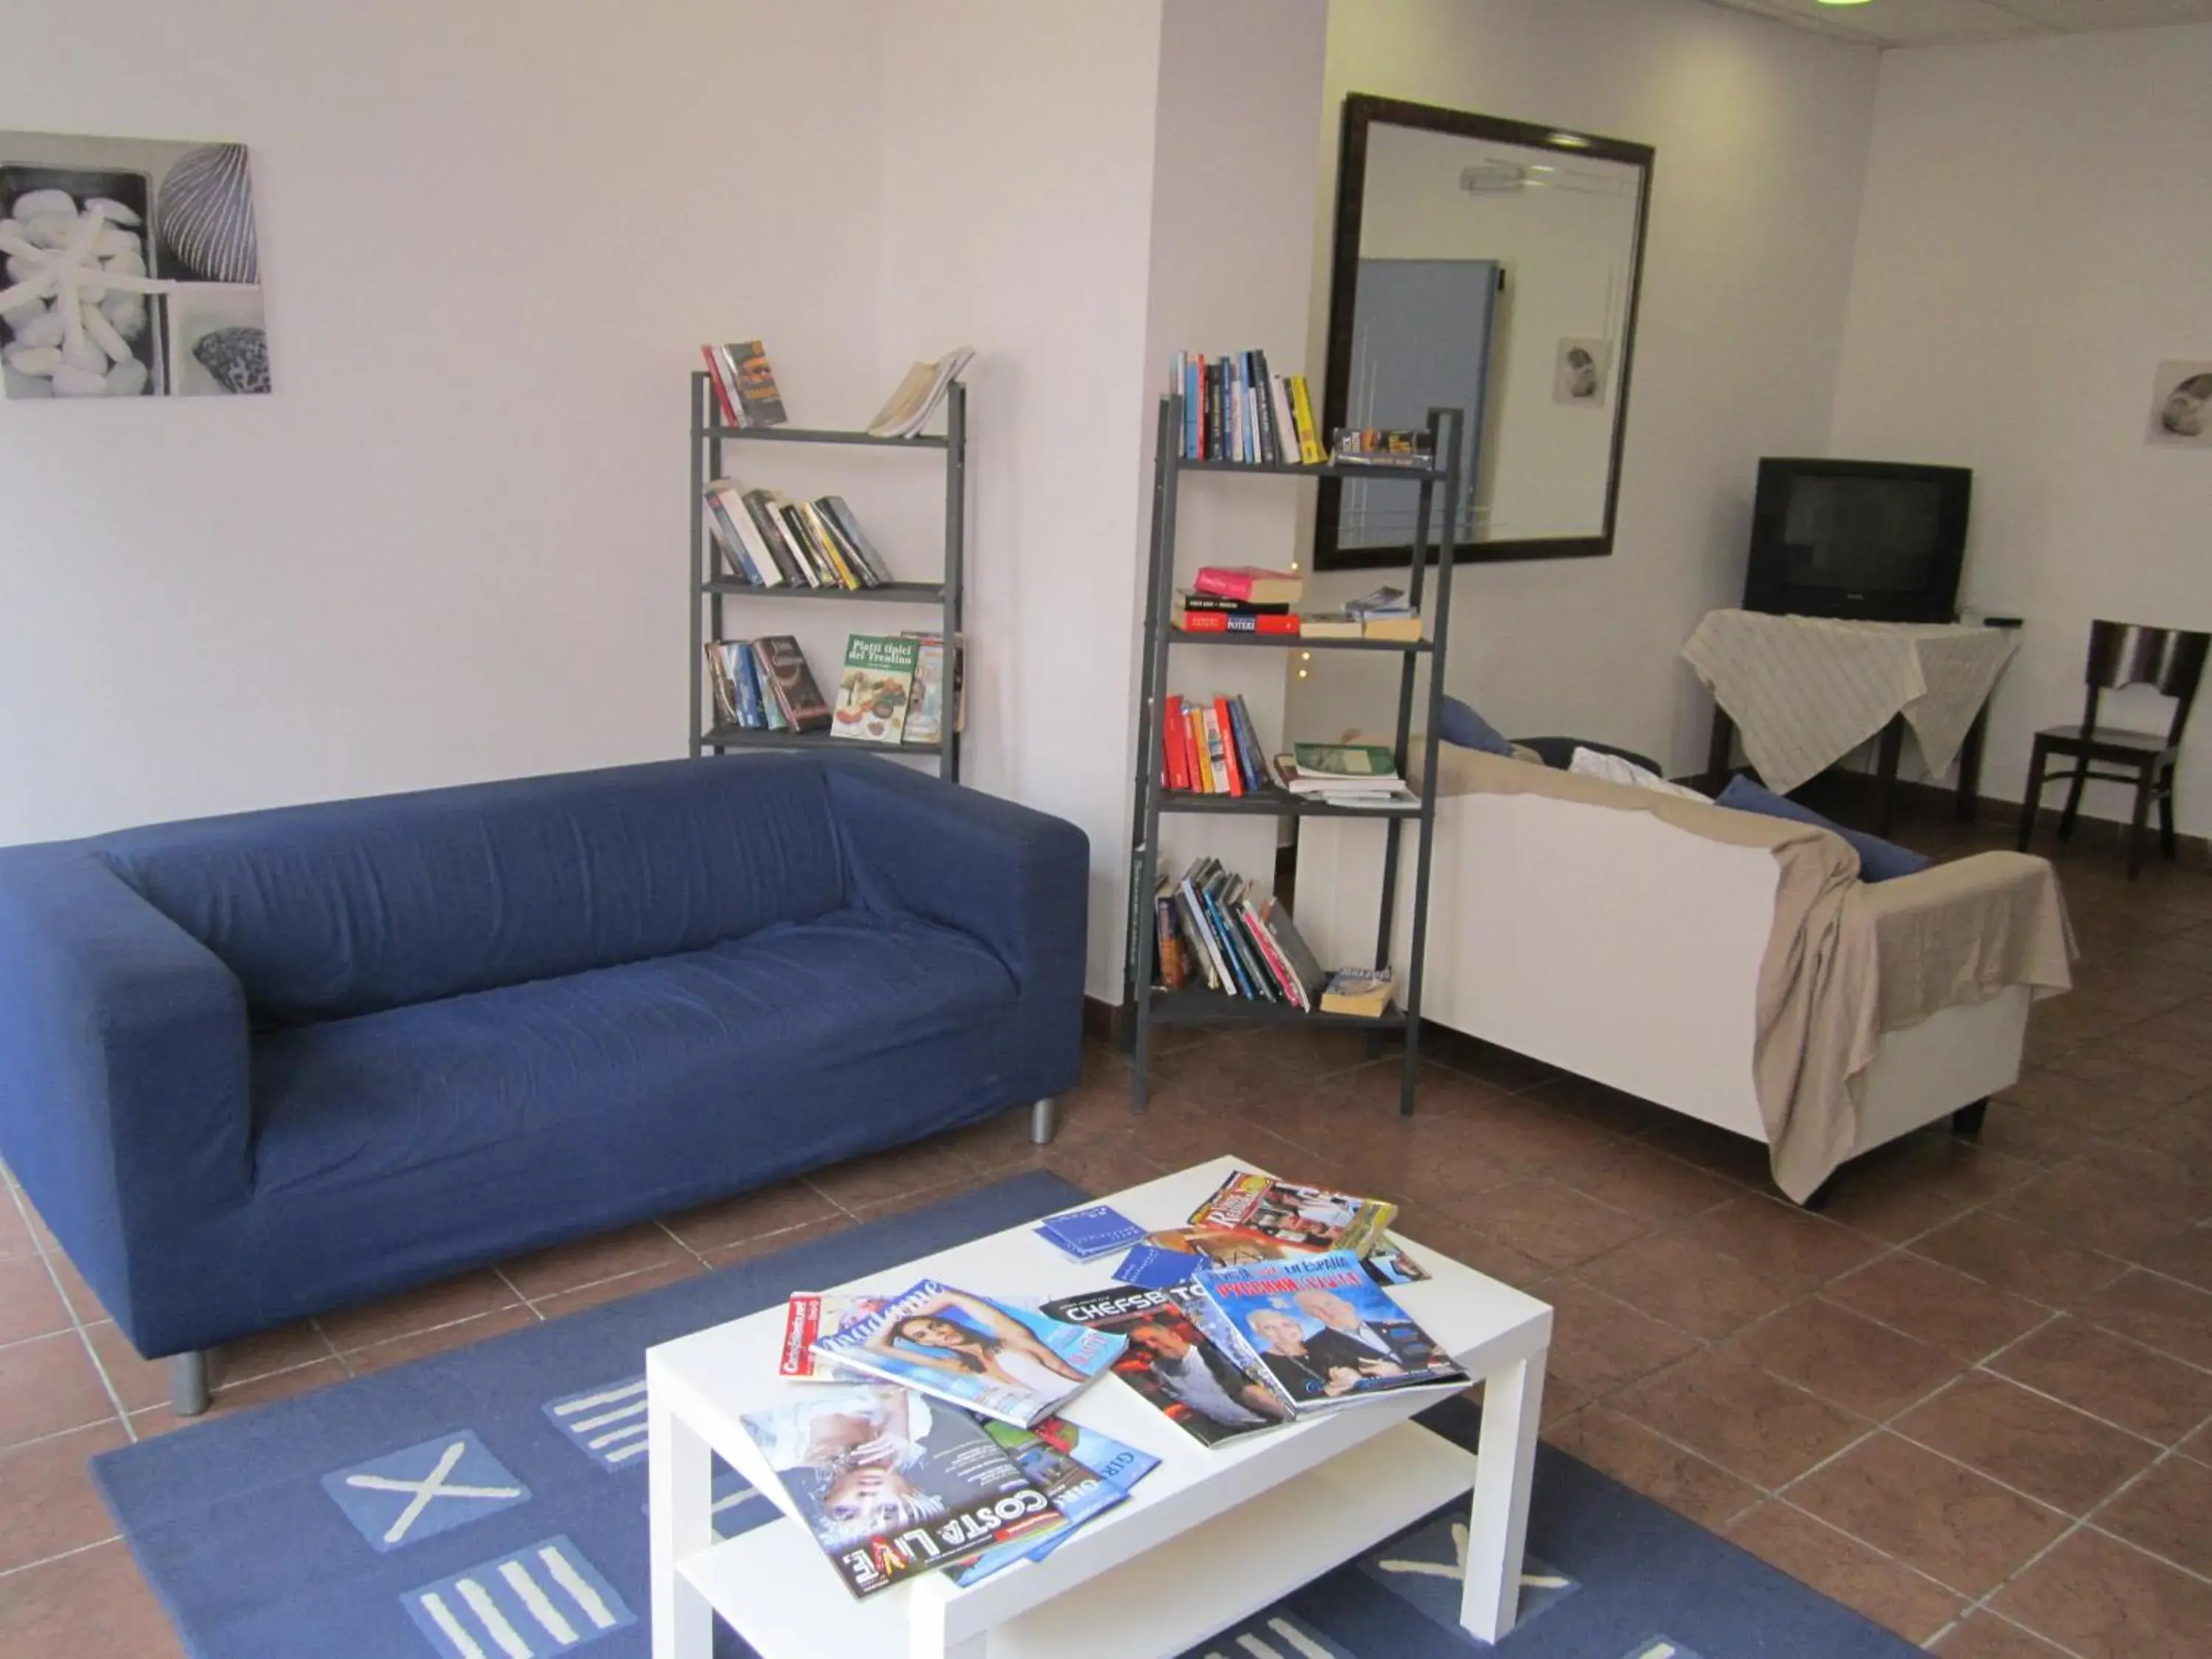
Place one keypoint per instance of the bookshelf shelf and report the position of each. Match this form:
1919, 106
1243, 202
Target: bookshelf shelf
1274, 803
889, 594
715, 587
1212, 1008
1297, 641
800, 435
1155, 1006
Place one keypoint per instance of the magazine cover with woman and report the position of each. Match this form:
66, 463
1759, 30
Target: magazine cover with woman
1324, 1333
1010, 1363
890, 1486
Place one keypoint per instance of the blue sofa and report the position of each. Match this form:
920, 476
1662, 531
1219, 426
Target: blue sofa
258, 1067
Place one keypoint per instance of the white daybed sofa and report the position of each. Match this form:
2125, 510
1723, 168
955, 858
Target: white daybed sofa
1722, 964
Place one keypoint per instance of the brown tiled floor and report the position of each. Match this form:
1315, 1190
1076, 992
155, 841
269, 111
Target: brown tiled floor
1974, 1399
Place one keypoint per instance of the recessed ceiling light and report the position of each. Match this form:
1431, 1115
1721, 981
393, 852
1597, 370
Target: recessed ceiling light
1841, 2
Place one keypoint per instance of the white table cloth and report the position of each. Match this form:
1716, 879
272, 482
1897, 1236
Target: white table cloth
1806, 690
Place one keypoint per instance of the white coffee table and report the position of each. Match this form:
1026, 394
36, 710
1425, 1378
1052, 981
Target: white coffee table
1151, 1577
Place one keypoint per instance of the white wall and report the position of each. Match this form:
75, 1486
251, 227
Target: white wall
1761, 133
452, 545
2036, 237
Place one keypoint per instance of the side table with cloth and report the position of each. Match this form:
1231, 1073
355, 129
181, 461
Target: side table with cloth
1806, 690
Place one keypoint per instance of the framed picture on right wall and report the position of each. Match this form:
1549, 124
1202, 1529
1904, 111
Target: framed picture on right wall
2181, 405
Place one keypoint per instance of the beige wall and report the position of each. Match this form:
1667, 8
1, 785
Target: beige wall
2036, 236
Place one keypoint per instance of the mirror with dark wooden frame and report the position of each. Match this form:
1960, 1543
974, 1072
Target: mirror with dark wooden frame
1490, 265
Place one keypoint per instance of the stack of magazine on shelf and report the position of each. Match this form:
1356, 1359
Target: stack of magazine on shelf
769, 541
764, 686
1214, 928
1359, 774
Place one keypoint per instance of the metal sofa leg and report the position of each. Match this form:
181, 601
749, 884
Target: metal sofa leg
188, 1382
1966, 1121
1044, 1119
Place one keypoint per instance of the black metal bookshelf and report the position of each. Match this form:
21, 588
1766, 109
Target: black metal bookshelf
1164, 642
712, 584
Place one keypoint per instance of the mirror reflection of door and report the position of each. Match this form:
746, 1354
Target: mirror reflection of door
1431, 201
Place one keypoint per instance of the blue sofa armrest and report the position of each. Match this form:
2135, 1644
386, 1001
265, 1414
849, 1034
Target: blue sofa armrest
1017, 880
125, 1103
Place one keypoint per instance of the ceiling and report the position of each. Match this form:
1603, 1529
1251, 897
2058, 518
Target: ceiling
1939, 22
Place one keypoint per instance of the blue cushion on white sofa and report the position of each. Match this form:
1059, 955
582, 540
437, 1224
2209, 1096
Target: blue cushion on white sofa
1459, 724
1879, 859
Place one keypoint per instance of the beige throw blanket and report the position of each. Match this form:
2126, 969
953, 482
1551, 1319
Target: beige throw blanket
1845, 961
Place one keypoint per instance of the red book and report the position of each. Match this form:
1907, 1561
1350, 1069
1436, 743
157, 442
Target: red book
1203, 622
1249, 583
721, 391
1228, 745
1173, 734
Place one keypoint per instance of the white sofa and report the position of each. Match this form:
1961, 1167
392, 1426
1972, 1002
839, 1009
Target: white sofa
1635, 939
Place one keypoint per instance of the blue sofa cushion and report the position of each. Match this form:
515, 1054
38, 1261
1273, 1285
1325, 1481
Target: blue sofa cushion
350, 908
357, 1101
1458, 723
1879, 859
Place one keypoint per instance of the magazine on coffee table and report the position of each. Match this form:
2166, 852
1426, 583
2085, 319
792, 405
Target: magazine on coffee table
1172, 1364
891, 1485
1323, 1333
1079, 1490
1291, 1212
809, 1315
1010, 1363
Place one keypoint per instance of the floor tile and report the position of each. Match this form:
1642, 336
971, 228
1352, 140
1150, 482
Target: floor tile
1551, 1223
14, 1232
2016, 1257
50, 1504
886, 1174
48, 1385
1730, 1411
2119, 1214
1639, 1179
1936, 1304
442, 1338
1599, 1344
1847, 1360
1687, 1285
2111, 1377
605, 1255
806, 1232
2169, 1512
614, 1289
922, 1198
410, 1311
1900, 1191
1815, 1553
2171, 1317
2051, 1452
1792, 1248
1985, 1636
29, 1304
1959, 1527
93, 1604
2105, 1599
1637, 1458
232, 1398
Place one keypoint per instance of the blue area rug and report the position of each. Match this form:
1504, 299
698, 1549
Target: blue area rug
490, 1503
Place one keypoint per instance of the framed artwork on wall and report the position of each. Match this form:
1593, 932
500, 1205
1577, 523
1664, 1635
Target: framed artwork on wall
133, 269
2181, 405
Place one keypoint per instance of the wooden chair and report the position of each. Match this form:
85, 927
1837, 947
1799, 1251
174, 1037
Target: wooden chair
2172, 661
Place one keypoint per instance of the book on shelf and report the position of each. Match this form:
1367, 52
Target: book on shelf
744, 384
1210, 747
891, 1486
786, 678
1236, 408
1214, 620
915, 398
1329, 625
1248, 584
721, 675
925, 716
760, 676
843, 523
1364, 993
1172, 1365
993, 1357
1343, 774
1323, 1334
1192, 600
1291, 1212
1213, 927
1385, 614
876, 690
1413, 450
1078, 1490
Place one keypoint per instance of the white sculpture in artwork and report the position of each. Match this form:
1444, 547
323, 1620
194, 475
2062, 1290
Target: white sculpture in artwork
78, 297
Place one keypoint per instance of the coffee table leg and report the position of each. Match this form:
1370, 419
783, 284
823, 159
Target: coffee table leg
681, 1489
1497, 1528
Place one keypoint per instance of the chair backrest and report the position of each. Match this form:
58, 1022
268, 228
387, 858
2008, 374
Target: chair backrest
2170, 660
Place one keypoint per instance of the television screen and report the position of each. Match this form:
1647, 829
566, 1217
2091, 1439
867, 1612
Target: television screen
1862, 535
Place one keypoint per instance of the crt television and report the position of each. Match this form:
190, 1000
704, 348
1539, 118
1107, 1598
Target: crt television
1877, 540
